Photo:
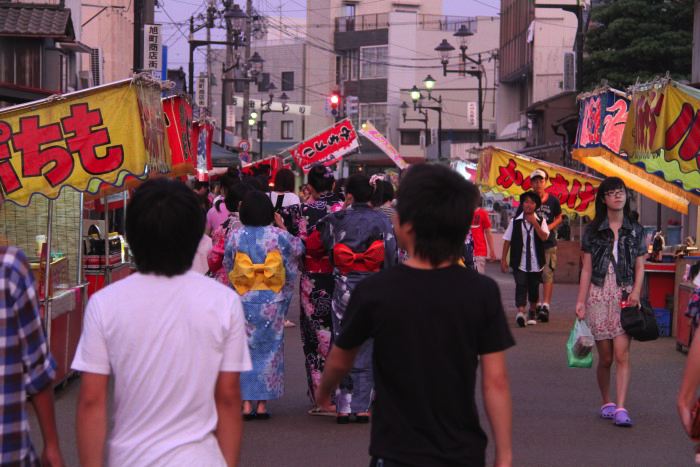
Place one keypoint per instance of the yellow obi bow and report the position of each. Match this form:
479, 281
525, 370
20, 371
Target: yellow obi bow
247, 276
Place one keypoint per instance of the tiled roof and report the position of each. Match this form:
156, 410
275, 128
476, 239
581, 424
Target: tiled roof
39, 21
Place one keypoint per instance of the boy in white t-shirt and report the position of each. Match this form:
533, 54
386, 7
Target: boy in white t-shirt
173, 339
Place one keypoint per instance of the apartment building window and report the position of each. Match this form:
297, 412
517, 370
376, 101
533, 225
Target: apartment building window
375, 114
373, 62
348, 9
287, 129
351, 65
287, 81
264, 82
410, 137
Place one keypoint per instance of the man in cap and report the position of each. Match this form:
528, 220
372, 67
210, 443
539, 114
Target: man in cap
551, 211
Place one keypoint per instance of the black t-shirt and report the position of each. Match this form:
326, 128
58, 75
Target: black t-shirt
429, 328
550, 209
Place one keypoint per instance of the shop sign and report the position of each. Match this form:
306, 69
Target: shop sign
327, 147
505, 172
602, 119
152, 49
663, 133
80, 140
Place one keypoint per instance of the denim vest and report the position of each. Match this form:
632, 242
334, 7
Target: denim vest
599, 243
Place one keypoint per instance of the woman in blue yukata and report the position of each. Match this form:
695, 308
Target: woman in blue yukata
262, 261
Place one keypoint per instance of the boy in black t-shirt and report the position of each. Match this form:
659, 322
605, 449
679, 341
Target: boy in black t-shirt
433, 323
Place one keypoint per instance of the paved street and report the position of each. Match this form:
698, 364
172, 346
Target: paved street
555, 408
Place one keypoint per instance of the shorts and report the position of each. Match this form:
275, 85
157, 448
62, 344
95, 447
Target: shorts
480, 264
550, 265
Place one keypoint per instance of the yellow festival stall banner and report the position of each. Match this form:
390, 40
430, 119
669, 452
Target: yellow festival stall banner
506, 172
662, 134
82, 140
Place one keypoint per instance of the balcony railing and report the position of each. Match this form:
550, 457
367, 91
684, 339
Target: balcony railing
32, 2
362, 22
424, 22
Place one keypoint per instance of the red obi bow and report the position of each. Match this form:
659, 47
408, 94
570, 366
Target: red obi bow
348, 261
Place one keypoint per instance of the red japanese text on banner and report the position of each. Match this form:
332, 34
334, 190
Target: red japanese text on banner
326, 148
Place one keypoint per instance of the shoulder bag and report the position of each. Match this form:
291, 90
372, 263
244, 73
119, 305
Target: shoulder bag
639, 321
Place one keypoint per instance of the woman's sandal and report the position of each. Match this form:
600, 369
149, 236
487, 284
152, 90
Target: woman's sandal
622, 418
607, 411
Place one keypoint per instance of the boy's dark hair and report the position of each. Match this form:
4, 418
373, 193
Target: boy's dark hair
439, 204
383, 192
284, 180
235, 196
358, 186
164, 227
321, 178
256, 209
534, 197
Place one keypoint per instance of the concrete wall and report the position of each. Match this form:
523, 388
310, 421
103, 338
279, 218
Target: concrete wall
555, 33
457, 91
111, 31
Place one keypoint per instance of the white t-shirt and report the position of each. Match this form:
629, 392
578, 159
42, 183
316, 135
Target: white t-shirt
525, 226
165, 340
290, 199
199, 263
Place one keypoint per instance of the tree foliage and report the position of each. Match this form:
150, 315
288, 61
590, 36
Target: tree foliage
631, 39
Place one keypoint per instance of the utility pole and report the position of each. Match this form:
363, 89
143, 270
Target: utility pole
211, 5
143, 14
228, 78
247, 34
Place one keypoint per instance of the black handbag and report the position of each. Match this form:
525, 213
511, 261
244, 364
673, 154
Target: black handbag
639, 321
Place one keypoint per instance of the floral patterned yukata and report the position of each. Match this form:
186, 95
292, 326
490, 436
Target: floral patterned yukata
215, 258
265, 310
358, 228
316, 289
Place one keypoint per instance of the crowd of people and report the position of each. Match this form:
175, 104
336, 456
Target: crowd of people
378, 268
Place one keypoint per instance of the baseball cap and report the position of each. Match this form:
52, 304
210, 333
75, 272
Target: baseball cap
538, 173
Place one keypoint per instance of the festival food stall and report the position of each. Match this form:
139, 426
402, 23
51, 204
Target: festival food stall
506, 172
85, 140
650, 142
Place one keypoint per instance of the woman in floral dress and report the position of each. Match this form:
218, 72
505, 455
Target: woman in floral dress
215, 258
317, 282
613, 270
262, 263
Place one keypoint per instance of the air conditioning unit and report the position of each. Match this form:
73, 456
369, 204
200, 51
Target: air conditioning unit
569, 71
97, 67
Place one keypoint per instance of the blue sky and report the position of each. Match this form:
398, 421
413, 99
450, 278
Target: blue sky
174, 16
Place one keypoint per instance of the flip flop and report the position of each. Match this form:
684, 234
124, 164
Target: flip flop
318, 411
607, 411
622, 418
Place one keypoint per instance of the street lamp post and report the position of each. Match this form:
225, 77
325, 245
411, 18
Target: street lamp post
417, 97
266, 107
444, 48
424, 120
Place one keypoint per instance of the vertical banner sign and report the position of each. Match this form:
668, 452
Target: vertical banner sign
371, 133
152, 58
230, 116
203, 133
201, 96
505, 172
178, 124
327, 147
472, 113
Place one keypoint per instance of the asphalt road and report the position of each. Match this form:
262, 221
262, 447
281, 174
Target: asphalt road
555, 408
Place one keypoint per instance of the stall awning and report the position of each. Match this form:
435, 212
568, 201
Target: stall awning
507, 172
637, 179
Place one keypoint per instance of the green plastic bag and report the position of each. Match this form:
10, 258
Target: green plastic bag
574, 361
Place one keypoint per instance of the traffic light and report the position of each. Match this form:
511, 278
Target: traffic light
334, 103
